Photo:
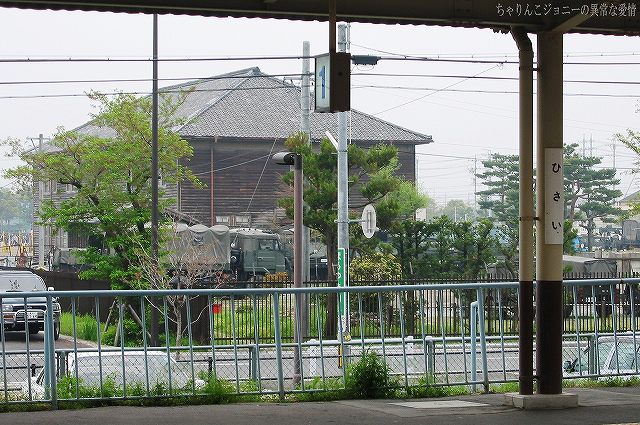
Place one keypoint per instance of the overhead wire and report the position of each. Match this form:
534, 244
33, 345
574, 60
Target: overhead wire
393, 57
298, 75
493, 55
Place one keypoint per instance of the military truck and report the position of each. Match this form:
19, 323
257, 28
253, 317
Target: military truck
238, 254
256, 253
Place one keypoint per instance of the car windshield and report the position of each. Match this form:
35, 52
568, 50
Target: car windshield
626, 358
603, 353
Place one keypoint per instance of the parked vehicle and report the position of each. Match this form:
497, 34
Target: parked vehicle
133, 369
586, 267
630, 234
25, 314
610, 356
222, 254
256, 253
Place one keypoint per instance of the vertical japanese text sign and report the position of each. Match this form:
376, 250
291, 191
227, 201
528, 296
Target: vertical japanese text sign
554, 196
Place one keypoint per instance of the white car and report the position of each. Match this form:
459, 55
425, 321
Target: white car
614, 356
94, 369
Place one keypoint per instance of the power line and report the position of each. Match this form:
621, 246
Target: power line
483, 77
118, 60
396, 57
144, 80
433, 92
434, 89
298, 75
493, 55
142, 93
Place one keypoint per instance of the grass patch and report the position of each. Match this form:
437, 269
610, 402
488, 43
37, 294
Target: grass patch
506, 387
614, 381
426, 387
317, 389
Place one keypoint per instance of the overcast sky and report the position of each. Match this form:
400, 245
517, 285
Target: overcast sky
466, 125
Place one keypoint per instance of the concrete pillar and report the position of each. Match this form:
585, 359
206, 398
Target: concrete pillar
548, 250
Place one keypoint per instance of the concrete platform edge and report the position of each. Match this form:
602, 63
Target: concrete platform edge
541, 401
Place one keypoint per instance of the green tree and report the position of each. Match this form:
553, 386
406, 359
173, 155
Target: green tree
409, 239
375, 267
16, 208
501, 176
589, 191
111, 178
372, 177
568, 236
474, 247
631, 139
458, 210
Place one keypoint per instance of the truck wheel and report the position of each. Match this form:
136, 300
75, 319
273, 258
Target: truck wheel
56, 331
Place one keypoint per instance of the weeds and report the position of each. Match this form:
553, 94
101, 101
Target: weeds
322, 390
507, 387
369, 377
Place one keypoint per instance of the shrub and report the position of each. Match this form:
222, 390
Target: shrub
377, 266
374, 269
369, 377
218, 390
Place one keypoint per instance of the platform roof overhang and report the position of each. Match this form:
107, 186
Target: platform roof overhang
566, 15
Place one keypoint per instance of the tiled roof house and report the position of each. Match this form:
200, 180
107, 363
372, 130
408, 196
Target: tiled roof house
234, 122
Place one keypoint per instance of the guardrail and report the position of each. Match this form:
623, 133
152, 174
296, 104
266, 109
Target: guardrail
419, 347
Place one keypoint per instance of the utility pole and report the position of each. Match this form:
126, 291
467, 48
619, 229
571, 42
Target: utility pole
305, 103
155, 319
475, 181
343, 192
41, 227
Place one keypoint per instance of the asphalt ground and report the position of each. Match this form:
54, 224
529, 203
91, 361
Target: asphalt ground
610, 406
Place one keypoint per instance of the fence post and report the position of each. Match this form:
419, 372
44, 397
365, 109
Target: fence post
278, 341
61, 357
592, 358
483, 341
429, 347
253, 363
50, 353
473, 315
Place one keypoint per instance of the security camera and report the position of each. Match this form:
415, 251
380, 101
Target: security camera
284, 158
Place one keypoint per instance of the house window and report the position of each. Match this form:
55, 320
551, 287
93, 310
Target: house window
243, 220
222, 219
47, 187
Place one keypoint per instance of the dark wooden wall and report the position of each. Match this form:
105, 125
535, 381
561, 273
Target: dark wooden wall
242, 167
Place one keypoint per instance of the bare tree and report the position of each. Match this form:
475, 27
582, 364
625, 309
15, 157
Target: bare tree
196, 256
